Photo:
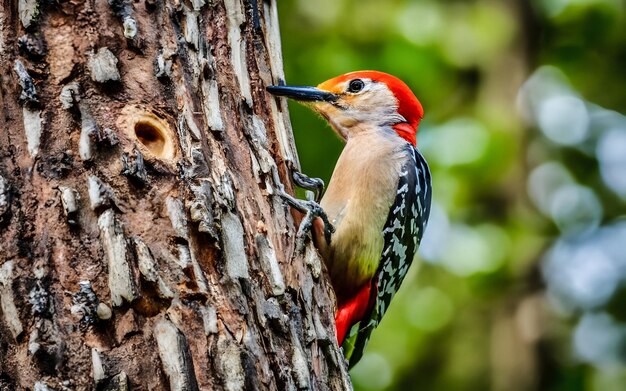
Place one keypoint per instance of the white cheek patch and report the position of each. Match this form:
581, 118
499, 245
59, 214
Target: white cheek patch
378, 106
375, 105
381, 96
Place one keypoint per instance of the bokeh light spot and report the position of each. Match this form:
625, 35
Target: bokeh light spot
599, 339
373, 372
474, 250
584, 270
611, 151
460, 141
544, 181
563, 119
575, 208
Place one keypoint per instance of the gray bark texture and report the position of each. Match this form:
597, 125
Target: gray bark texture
143, 245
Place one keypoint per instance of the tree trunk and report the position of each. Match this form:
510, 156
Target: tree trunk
143, 245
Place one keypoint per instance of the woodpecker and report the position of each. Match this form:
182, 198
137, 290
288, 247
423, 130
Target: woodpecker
378, 198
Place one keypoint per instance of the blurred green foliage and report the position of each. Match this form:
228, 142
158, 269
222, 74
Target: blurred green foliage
526, 169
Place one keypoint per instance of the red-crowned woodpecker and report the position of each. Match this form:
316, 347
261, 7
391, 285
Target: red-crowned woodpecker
378, 198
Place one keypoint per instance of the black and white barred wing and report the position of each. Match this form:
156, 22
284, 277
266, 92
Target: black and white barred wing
402, 234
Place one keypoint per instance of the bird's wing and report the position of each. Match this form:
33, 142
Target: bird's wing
402, 234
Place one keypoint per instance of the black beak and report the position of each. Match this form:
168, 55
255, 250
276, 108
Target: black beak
307, 94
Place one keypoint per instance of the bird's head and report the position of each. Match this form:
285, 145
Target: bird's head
362, 100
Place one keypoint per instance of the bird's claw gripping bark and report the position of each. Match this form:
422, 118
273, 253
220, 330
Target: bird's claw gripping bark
316, 185
311, 210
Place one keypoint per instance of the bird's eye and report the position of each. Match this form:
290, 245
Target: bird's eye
356, 85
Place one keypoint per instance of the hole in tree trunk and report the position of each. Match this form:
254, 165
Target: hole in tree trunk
151, 137
151, 132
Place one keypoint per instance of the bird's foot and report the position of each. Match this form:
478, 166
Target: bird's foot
315, 185
311, 210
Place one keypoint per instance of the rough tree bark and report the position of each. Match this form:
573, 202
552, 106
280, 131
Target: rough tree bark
142, 244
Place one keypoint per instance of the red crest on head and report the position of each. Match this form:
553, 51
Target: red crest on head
408, 105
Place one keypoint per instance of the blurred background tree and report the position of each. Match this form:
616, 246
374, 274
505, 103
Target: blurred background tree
521, 283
